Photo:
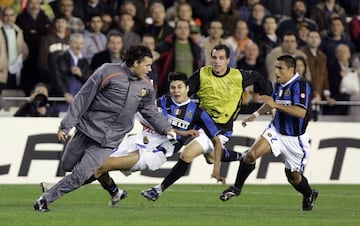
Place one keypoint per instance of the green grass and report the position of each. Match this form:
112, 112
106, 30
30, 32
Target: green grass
184, 205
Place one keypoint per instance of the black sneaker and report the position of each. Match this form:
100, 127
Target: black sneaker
308, 202
230, 192
41, 205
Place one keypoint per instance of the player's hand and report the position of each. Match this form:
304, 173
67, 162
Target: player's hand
62, 136
218, 178
248, 119
191, 132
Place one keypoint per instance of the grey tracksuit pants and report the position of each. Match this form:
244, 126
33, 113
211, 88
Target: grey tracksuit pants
83, 155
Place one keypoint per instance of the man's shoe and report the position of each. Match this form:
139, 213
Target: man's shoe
230, 192
114, 201
45, 186
41, 205
309, 202
151, 194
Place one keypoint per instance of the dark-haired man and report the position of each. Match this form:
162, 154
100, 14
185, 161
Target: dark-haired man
286, 133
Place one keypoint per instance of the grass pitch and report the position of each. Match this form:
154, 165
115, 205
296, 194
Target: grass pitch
184, 205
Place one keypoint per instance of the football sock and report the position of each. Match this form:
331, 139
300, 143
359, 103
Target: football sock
243, 172
230, 155
108, 184
90, 180
303, 187
176, 172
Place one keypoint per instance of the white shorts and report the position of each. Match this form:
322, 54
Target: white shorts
295, 149
206, 143
150, 157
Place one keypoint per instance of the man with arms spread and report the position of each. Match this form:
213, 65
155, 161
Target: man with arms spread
102, 113
286, 134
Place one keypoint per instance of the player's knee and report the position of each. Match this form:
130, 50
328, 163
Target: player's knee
293, 177
187, 157
250, 157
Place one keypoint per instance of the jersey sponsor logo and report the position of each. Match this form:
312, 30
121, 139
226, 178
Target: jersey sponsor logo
179, 123
284, 102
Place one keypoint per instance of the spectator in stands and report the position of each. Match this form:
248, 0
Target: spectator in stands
297, 17
269, 39
135, 10
125, 26
107, 23
354, 28
159, 27
95, 40
149, 41
324, 11
16, 50
301, 65
246, 7
279, 8
228, 16
34, 24
214, 38
185, 12
240, 39
256, 20
75, 24
171, 13
288, 47
354, 110
52, 44
336, 36
338, 69
85, 8
178, 52
317, 62
112, 53
350, 6
302, 31
37, 105
71, 71
204, 10
251, 60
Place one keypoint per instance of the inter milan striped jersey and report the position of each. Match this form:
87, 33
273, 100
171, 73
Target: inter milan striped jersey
187, 115
297, 92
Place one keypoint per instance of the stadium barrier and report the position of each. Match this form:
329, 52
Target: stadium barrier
30, 153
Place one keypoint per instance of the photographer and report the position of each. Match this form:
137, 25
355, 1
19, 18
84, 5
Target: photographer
37, 105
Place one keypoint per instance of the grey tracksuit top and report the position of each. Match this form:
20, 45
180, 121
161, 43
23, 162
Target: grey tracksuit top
105, 106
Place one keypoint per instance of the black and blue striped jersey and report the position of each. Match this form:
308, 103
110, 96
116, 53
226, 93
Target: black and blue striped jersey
186, 116
297, 92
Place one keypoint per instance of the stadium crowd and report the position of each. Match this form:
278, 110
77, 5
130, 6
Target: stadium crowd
60, 43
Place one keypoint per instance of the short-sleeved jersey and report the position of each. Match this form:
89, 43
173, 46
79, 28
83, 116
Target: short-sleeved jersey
187, 115
297, 92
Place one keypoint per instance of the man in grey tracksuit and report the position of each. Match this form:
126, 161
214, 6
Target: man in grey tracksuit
102, 113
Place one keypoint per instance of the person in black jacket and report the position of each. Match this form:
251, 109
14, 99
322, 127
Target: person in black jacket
112, 54
71, 71
37, 105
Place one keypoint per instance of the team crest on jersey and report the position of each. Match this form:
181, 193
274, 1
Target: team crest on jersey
189, 114
302, 95
269, 135
144, 92
287, 92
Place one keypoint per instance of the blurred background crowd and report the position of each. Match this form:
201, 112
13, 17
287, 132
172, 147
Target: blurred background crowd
56, 45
